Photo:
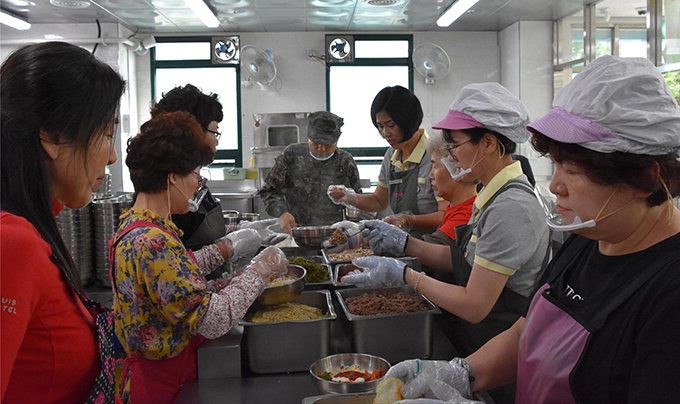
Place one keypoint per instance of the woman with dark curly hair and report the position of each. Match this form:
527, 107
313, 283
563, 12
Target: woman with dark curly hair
59, 107
604, 325
163, 306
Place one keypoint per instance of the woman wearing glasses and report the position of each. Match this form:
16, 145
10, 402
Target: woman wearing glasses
204, 222
498, 256
163, 307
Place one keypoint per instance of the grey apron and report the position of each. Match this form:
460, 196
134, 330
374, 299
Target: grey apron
403, 194
468, 337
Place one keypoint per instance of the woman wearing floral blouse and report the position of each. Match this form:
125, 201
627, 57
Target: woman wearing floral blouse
164, 308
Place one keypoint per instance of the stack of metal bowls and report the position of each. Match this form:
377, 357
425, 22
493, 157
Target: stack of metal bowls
75, 227
106, 212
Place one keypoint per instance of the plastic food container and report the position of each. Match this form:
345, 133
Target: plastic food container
290, 346
395, 337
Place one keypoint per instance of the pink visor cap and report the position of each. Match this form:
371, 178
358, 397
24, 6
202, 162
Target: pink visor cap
563, 126
455, 120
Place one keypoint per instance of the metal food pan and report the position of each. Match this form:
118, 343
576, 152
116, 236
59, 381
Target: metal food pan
340, 270
319, 260
412, 262
290, 346
395, 337
301, 252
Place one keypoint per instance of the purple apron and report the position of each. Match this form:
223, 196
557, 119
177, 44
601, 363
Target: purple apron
549, 332
553, 341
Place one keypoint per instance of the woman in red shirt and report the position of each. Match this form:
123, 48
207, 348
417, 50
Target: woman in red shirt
58, 109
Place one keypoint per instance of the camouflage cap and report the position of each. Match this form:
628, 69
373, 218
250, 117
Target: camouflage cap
324, 127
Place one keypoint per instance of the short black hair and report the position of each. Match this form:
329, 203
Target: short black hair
204, 107
402, 106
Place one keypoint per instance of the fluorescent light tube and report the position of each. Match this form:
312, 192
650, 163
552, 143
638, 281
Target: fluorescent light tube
14, 22
203, 12
456, 10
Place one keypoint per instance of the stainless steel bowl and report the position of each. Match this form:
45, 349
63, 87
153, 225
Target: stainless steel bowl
250, 217
355, 214
311, 236
285, 293
333, 363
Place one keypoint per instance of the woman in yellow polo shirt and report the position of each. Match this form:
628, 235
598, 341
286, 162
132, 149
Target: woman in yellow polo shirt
403, 183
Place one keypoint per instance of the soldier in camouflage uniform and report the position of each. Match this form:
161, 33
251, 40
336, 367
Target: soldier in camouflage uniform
295, 188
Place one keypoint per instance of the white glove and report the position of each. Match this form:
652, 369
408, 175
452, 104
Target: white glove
268, 262
379, 272
351, 229
384, 238
244, 243
269, 237
341, 195
446, 381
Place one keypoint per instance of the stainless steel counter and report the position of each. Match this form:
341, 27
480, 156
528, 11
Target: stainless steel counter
286, 387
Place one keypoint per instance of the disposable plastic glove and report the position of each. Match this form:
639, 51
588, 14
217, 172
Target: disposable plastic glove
269, 261
379, 272
341, 195
401, 220
263, 228
351, 229
385, 238
438, 379
244, 243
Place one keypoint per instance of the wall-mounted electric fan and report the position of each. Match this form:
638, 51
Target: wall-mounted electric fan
260, 67
431, 62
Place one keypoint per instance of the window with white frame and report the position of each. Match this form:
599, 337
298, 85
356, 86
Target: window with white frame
181, 61
379, 61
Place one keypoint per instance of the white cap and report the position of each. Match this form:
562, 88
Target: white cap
488, 105
616, 104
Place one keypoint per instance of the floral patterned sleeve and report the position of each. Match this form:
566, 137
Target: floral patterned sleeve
209, 258
231, 303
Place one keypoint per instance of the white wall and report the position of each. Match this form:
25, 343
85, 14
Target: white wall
519, 57
526, 70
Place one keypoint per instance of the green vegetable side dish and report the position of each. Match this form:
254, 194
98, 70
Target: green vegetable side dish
316, 273
326, 376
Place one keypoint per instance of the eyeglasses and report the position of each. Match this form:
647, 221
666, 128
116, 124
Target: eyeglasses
451, 147
202, 181
215, 133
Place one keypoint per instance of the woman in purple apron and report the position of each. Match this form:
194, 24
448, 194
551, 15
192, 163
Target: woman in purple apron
604, 325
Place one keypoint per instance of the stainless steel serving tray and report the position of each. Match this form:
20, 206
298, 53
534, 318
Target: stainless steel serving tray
412, 262
396, 336
290, 346
315, 258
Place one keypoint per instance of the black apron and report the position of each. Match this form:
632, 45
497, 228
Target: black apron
467, 337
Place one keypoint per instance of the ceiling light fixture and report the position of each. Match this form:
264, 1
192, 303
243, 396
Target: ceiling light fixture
70, 3
454, 12
14, 22
203, 12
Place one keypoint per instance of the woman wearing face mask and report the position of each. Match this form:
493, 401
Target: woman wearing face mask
498, 257
295, 188
163, 307
403, 183
204, 222
604, 325
59, 105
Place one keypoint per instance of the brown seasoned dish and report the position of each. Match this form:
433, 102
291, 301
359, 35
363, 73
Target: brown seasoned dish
370, 304
338, 237
349, 255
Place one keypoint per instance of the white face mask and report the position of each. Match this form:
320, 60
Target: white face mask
315, 157
555, 220
196, 200
454, 169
